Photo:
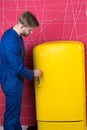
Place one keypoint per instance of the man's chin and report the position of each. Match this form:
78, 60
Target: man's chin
25, 35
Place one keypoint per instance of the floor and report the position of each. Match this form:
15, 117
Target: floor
24, 127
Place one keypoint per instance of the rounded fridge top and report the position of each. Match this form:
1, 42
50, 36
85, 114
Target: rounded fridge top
59, 43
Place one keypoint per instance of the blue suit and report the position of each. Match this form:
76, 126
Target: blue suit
12, 74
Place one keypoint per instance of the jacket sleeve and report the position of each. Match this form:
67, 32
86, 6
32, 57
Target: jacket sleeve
15, 61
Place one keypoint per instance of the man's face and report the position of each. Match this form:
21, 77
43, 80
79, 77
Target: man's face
26, 31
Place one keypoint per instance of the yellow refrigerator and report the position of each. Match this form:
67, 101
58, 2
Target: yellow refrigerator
60, 90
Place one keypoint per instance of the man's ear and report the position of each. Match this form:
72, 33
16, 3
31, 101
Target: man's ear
21, 26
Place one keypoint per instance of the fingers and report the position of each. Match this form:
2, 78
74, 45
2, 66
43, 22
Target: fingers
37, 73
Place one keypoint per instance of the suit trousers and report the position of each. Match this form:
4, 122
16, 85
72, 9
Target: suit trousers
12, 111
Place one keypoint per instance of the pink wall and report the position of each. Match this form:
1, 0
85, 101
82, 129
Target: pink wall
59, 20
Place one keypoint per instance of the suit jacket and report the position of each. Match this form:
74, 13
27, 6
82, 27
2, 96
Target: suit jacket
12, 70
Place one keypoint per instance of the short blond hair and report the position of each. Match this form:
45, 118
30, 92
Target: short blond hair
28, 19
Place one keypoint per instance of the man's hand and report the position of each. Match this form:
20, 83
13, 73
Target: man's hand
37, 72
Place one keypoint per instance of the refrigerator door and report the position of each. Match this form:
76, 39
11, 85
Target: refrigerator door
60, 91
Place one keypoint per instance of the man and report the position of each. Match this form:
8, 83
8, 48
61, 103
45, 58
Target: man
12, 70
